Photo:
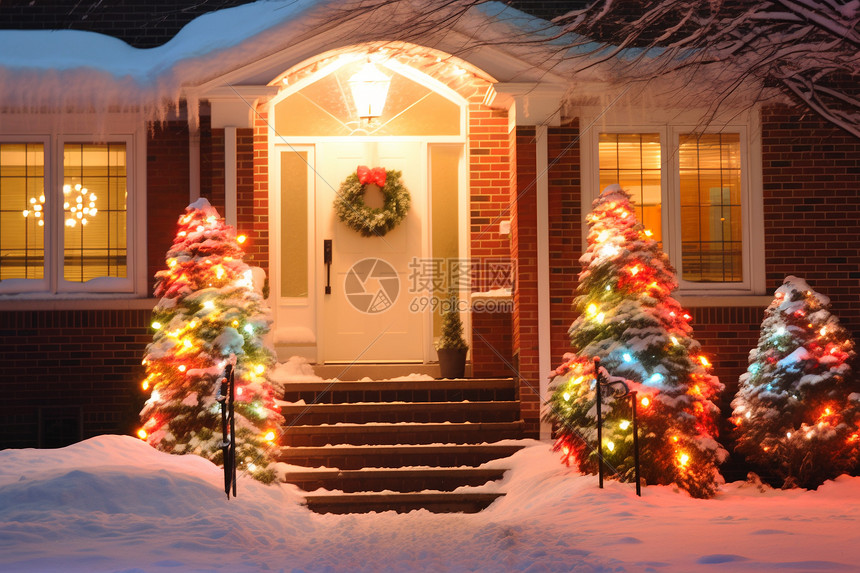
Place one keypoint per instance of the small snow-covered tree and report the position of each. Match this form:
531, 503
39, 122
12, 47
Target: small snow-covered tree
797, 409
208, 312
629, 320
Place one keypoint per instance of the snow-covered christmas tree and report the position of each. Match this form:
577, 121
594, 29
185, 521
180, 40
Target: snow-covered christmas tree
208, 312
629, 320
797, 410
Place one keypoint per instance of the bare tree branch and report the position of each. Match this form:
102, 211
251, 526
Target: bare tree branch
807, 48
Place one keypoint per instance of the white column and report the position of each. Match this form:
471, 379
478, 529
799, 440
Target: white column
544, 346
230, 201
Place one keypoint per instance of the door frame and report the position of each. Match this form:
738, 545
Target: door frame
309, 310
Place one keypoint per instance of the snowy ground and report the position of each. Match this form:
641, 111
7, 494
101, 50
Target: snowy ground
112, 503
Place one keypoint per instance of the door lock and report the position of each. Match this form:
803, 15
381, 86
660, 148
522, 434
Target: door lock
327, 263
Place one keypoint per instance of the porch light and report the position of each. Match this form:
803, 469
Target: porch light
369, 88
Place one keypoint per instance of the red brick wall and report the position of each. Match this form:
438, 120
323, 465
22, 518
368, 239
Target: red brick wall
167, 189
212, 180
811, 178
254, 214
490, 153
565, 232
245, 183
727, 335
80, 365
491, 345
524, 250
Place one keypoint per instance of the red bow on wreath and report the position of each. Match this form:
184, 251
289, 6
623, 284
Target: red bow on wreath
367, 175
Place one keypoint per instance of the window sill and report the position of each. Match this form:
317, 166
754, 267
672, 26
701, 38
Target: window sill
740, 300
31, 303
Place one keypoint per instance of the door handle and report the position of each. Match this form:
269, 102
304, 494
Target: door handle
327, 263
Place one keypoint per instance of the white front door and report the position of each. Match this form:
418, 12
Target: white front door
367, 315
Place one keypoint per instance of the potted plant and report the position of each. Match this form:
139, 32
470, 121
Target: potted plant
451, 346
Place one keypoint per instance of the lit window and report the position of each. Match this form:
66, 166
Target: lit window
94, 211
22, 215
633, 161
692, 182
66, 214
711, 232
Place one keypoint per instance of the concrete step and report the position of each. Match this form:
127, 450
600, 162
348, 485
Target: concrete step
379, 456
396, 479
376, 370
359, 413
456, 390
436, 502
401, 433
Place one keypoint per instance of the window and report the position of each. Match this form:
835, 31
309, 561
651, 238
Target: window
22, 220
710, 189
94, 211
633, 161
692, 189
65, 212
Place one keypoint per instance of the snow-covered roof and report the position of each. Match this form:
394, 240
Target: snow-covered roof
253, 43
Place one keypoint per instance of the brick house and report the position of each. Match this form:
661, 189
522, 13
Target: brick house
501, 151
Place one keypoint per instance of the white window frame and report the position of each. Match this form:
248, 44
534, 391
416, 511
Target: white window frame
670, 126
35, 285
54, 131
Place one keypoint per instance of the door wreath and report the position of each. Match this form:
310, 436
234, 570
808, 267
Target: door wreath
357, 215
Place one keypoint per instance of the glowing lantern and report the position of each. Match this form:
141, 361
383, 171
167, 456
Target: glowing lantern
369, 88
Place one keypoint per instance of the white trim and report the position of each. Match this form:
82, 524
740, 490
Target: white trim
53, 130
727, 301
755, 207
50, 229
230, 191
76, 303
310, 140
101, 284
535, 103
691, 287
543, 299
293, 311
278, 143
670, 124
419, 77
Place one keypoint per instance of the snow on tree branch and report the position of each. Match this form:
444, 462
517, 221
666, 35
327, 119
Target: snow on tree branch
806, 48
